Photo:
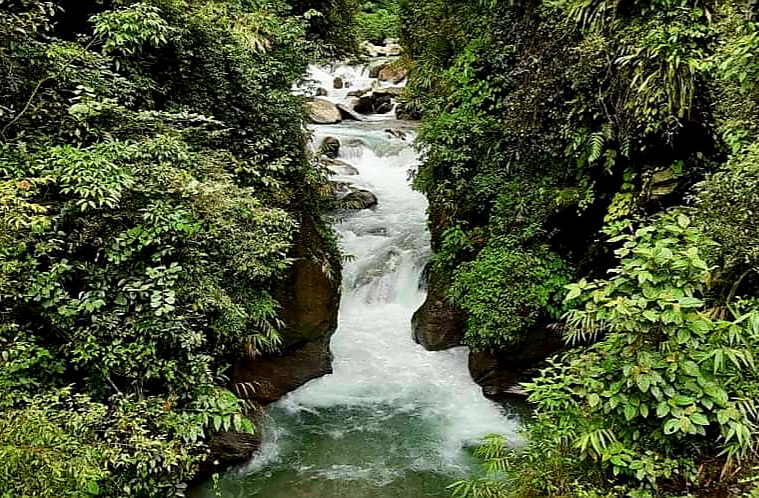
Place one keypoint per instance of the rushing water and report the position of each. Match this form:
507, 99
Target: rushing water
393, 420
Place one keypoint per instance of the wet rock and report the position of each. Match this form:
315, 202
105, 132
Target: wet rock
375, 67
274, 376
399, 134
500, 373
340, 167
321, 92
438, 324
364, 105
382, 104
338, 84
347, 109
358, 199
375, 231
393, 74
308, 299
322, 111
360, 92
229, 449
393, 91
330, 147
371, 49
662, 183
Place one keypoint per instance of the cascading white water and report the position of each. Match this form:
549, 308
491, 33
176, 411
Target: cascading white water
393, 420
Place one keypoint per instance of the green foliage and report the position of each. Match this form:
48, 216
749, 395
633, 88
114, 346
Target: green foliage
506, 291
140, 240
378, 21
552, 121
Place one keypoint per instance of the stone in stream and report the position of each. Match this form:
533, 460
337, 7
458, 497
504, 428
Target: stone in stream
358, 199
360, 92
399, 134
322, 111
347, 109
321, 92
393, 74
364, 104
340, 167
393, 91
329, 147
229, 449
338, 84
375, 67
382, 104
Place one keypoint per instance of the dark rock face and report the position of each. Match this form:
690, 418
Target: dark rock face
358, 199
330, 147
382, 103
274, 376
309, 302
438, 324
228, 449
348, 109
499, 374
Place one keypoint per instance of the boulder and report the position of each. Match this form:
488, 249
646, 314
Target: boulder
272, 377
228, 449
340, 167
374, 67
393, 73
322, 111
347, 109
500, 373
399, 134
438, 324
358, 199
338, 84
393, 91
330, 147
308, 299
662, 184
382, 104
364, 104
360, 92
371, 49
321, 92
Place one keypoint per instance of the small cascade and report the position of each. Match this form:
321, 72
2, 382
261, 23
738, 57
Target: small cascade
393, 420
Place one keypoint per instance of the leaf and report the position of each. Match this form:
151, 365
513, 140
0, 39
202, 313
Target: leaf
93, 488
662, 409
593, 400
699, 419
683, 220
690, 302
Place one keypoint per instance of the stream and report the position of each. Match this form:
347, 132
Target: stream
393, 420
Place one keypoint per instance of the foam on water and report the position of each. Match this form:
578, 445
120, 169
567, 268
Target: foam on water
393, 420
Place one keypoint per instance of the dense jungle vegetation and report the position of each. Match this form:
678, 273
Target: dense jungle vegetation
153, 175
593, 172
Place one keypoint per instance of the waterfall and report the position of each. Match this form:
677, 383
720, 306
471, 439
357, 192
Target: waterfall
393, 420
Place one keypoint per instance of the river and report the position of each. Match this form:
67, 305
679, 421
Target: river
393, 420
